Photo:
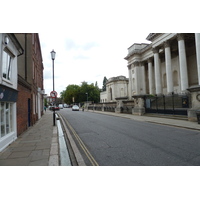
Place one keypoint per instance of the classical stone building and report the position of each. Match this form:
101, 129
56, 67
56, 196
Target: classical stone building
116, 87
164, 76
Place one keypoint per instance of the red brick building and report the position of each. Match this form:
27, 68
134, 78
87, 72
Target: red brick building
30, 82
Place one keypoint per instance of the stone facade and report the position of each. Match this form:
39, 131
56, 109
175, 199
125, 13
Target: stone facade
116, 87
165, 71
170, 64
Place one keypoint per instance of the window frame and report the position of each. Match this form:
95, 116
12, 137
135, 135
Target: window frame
7, 64
6, 118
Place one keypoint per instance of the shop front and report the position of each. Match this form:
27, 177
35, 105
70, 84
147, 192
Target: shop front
8, 130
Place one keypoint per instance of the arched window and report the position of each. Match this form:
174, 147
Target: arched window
175, 78
133, 85
111, 94
164, 80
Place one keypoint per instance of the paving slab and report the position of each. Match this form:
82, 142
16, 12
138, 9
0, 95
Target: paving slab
32, 148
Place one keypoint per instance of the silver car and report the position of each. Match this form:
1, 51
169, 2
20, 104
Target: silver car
75, 108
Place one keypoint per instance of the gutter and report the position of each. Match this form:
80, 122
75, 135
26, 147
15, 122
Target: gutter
17, 44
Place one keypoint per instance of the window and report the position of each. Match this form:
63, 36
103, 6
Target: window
175, 78
6, 65
165, 80
6, 118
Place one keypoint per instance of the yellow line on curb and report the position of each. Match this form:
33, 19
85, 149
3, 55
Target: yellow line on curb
82, 145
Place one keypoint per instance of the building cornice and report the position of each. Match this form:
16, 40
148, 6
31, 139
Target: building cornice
152, 36
138, 51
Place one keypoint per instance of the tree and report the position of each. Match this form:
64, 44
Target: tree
79, 93
71, 94
104, 84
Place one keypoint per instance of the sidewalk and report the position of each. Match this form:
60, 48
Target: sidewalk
37, 146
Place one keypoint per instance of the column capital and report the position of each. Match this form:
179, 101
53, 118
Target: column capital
142, 63
180, 36
136, 63
150, 59
167, 43
155, 50
129, 66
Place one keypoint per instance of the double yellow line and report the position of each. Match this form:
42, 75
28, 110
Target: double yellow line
82, 145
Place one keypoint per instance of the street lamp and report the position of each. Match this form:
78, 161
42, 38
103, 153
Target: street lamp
87, 99
53, 54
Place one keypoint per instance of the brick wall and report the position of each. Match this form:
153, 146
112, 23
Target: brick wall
22, 109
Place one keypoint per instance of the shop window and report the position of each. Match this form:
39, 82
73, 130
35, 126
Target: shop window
6, 119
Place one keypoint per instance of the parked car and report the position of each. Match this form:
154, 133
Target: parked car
60, 106
75, 108
55, 108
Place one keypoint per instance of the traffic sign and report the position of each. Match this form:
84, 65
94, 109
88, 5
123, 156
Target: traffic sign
53, 94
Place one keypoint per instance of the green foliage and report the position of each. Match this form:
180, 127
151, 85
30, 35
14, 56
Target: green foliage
104, 84
78, 93
45, 103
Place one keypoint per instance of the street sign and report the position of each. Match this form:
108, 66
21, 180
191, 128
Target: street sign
53, 94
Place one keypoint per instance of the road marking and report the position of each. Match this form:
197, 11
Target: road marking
82, 145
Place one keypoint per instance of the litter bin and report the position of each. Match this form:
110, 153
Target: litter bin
198, 116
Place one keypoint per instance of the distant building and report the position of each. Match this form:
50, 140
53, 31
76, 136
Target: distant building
116, 87
10, 52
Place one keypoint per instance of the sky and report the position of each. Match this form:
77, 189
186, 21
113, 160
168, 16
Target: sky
89, 46
91, 37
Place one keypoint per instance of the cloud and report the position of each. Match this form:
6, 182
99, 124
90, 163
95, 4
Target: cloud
71, 44
89, 45
81, 57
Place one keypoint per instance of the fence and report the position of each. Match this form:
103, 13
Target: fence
168, 104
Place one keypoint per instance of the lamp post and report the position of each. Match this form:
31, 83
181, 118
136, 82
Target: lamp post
87, 100
53, 54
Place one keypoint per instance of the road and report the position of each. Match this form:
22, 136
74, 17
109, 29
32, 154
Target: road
116, 141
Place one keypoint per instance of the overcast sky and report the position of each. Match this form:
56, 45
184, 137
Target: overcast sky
90, 42
91, 37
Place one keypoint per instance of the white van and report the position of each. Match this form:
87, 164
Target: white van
60, 106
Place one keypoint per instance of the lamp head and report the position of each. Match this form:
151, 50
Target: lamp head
53, 55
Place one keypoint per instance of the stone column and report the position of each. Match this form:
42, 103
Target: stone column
143, 81
197, 41
170, 87
137, 78
183, 62
130, 82
150, 76
157, 72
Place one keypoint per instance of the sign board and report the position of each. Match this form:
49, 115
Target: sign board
53, 94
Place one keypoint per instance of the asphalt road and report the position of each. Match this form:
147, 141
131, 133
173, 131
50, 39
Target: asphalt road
116, 141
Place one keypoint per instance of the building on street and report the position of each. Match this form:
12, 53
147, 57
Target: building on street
30, 82
10, 52
164, 77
